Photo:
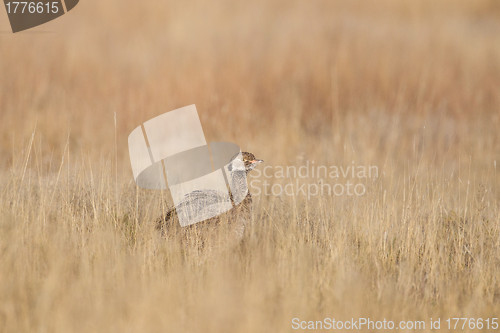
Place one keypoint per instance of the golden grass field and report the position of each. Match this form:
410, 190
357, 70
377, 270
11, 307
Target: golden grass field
412, 87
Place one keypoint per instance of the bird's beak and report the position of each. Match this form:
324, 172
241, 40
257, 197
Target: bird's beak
257, 161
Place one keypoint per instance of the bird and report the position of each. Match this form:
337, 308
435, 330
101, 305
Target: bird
233, 221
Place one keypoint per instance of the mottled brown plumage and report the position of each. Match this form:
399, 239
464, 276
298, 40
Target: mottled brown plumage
231, 224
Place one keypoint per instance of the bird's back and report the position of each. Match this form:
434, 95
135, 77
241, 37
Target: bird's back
228, 227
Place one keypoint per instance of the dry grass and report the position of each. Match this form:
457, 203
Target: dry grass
411, 87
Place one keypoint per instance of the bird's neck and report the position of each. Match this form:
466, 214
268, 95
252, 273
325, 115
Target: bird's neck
238, 186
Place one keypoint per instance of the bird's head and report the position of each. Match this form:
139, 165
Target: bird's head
244, 162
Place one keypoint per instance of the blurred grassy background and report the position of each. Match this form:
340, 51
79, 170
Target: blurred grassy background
412, 87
